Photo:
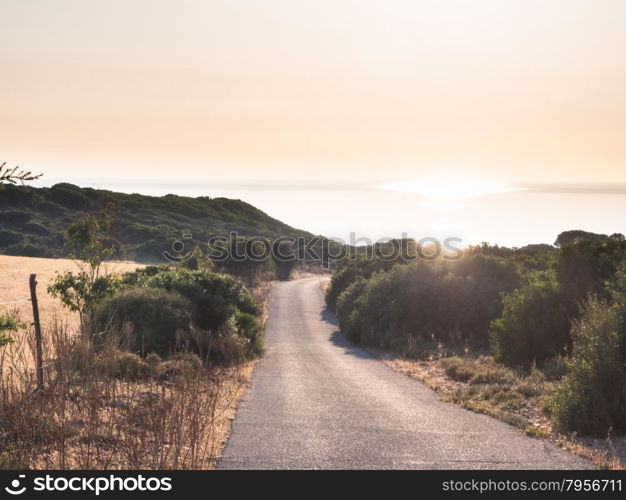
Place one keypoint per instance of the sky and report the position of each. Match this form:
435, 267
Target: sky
488, 120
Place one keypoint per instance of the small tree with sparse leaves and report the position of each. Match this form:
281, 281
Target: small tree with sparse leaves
82, 291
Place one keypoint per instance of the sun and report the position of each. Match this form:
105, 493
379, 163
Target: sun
447, 192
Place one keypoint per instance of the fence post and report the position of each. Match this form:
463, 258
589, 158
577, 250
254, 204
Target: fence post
37, 325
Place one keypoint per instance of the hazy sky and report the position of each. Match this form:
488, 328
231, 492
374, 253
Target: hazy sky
307, 108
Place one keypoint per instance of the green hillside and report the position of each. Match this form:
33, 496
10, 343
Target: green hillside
33, 221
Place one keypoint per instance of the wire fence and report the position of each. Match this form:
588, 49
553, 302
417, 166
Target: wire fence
14, 302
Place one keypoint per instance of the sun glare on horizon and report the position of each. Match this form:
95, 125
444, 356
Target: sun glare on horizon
447, 192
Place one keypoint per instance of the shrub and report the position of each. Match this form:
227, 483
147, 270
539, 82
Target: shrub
347, 273
533, 328
555, 368
36, 228
418, 303
69, 196
186, 364
483, 370
586, 266
458, 368
131, 367
153, 359
213, 297
8, 237
592, 398
14, 217
155, 317
27, 250
487, 371
249, 328
347, 308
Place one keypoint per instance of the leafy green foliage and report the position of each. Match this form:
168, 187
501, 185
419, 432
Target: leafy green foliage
249, 328
79, 292
592, 397
576, 236
83, 290
587, 266
86, 239
214, 297
172, 307
155, 317
350, 270
534, 325
425, 302
8, 323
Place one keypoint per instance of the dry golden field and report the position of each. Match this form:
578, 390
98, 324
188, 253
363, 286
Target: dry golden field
14, 275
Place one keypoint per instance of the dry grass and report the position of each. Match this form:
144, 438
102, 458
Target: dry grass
481, 385
15, 272
96, 413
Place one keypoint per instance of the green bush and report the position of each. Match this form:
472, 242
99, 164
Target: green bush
425, 302
555, 368
155, 317
340, 281
27, 250
8, 237
36, 229
347, 308
214, 297
250, 328
69, 196
533, 328
592, 398
14, 218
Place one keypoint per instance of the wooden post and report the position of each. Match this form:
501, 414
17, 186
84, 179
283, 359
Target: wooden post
37, 325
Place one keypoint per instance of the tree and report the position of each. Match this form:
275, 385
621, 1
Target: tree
16, 175
83, 290
575, 236
585, 268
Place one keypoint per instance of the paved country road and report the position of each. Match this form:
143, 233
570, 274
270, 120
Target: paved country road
317, 402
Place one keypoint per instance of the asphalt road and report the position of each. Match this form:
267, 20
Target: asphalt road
317, 402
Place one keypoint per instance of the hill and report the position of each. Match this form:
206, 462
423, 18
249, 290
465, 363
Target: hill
33, 221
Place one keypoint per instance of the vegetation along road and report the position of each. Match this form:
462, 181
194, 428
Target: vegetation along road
317, 402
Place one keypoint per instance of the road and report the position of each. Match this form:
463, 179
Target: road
317, 402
